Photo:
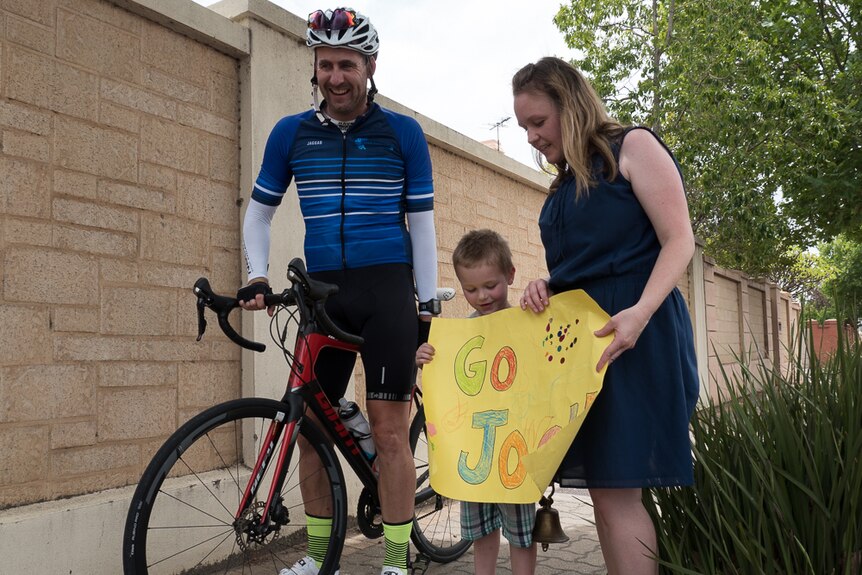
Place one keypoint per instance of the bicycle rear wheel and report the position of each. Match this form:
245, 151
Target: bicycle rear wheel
182, 515
437, 522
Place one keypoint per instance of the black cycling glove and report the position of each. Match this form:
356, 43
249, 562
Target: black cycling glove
249, 292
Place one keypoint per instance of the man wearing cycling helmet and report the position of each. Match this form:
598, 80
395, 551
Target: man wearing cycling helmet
363, 177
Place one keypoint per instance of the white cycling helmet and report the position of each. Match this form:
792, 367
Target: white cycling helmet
342, 28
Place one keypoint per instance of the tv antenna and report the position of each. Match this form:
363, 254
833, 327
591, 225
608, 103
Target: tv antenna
497, 126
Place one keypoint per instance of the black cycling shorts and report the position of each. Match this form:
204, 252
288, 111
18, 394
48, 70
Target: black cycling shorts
377, 303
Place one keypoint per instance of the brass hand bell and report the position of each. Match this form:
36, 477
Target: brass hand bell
548, 529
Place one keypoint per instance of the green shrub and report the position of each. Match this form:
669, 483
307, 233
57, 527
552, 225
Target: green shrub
778, 475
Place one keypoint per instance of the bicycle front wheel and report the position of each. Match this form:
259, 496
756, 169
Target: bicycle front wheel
437, 519
184, 514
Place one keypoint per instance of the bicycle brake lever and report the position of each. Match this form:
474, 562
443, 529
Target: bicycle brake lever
202, 322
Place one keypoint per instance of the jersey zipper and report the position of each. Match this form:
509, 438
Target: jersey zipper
343, 196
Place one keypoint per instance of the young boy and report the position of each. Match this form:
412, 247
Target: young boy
483, 264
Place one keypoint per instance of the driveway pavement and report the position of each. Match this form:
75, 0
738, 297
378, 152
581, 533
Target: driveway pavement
581, 555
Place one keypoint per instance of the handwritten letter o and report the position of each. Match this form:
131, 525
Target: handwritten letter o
514, 441
509, 355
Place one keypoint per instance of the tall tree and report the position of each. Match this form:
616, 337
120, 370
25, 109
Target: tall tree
844, 286
816, 42
758, 127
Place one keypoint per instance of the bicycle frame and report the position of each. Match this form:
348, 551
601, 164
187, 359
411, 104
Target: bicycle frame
303, 393
251, 444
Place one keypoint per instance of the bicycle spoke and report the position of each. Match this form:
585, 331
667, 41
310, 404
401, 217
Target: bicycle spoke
437, 525
185, 513
215, 497
181, 551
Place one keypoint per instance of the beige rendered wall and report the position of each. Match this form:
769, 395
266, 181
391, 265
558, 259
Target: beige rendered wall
746, 319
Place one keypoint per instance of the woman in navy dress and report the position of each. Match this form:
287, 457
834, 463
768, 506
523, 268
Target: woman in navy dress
616, 225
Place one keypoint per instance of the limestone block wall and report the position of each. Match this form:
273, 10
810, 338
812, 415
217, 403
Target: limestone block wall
119, 155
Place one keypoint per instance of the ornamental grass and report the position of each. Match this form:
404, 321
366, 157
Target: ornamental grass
778, 473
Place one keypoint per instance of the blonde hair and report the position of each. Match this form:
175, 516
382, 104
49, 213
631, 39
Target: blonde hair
585, 126
483, 246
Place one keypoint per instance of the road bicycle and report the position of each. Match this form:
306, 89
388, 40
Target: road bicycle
222, 494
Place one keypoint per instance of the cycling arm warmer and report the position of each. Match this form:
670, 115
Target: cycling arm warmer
256, 237
424, 241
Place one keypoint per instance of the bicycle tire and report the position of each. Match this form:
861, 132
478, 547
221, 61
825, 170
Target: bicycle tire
181, 518
436, 523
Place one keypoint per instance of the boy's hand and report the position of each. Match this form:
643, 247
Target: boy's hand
424, 354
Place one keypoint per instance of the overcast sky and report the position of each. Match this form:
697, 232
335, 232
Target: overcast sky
453, 60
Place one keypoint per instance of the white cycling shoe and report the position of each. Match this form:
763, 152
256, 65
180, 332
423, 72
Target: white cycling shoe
305, 566
392, 571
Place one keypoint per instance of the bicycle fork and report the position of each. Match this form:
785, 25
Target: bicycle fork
260, 523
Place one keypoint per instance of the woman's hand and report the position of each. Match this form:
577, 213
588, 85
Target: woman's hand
626, 326
536, 295
424, 354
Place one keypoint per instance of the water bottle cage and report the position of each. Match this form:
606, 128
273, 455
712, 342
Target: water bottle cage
364, 439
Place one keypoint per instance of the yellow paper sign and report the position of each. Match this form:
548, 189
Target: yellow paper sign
505, 395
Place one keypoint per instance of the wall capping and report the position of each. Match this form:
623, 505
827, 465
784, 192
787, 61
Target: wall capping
195, 21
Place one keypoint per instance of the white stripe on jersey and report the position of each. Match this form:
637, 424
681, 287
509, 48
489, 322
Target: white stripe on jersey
420, 197
349, 194
350, 180
350, 214
266, 191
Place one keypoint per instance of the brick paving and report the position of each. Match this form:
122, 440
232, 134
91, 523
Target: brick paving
581, 555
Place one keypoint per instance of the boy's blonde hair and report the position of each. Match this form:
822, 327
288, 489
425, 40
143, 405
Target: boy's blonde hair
483, 246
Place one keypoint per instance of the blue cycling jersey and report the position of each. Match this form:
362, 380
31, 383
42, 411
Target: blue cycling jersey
354, 188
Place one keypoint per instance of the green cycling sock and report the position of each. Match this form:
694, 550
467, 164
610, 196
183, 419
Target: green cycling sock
318, 530
397, 537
